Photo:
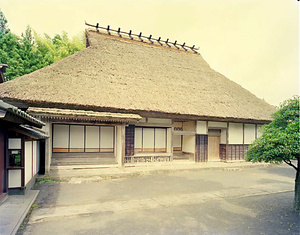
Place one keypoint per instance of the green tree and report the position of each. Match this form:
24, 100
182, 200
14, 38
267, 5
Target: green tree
280, 142
3, 24
31, 56
10, 53
30, 52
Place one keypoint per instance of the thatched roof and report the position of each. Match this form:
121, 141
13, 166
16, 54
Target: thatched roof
123, 75
63, 114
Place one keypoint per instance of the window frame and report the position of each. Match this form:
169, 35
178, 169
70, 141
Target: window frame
154, 147
67, 150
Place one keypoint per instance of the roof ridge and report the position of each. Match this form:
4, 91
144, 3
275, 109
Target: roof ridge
129, 36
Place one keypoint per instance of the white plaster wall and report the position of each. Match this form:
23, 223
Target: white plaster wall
223, 136
107, 137
138, 137
249, 133
28, 161
201, 128
235, 133
217, 124
92, 137
14, 178
188, 143
60, 136
160, 120
259, 133
148, 138
76, 136
160, 138
177, 141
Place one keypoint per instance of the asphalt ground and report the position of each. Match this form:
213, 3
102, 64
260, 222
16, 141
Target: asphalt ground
239, 201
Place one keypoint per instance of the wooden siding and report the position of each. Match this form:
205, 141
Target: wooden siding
223, 152
201, 148
129, 140
236, 151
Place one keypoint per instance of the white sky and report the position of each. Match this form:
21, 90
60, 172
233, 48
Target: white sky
252, 42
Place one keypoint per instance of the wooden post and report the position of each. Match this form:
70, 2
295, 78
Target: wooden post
120, 146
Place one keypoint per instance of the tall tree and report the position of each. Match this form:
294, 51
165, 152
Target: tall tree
3, 24
280, 142
30, 52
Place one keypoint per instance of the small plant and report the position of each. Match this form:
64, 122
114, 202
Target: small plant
45, 181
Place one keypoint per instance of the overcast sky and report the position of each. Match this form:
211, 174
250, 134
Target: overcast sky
252, 42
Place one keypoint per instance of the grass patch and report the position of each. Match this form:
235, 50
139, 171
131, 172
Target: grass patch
46, 181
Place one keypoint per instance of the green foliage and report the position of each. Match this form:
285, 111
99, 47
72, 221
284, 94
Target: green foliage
47, 181
280, 139
3, 24
30, 52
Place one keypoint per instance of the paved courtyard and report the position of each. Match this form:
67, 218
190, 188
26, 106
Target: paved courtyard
232, 201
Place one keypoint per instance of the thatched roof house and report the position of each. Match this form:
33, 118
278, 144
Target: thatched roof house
124, 75
130, 99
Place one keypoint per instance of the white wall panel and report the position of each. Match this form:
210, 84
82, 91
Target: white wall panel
249, 133
235, 133
14, 178
92, 137
177, 141
14, 143
138, 138
106, 137
76, 136
148, 138
160, 138
188, 143
217, 124
201, 128
28, 161
223, 136
60, 136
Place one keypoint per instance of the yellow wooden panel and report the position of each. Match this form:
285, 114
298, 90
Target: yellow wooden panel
106, 150
92, 150
56, 150
160, 150
76, 150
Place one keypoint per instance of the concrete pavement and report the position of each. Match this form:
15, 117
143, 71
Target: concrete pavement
14, 210
235, 201
95, 173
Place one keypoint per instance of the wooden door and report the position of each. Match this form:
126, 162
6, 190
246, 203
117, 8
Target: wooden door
213, 148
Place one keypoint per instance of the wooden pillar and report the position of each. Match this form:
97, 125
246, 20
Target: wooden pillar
120, 145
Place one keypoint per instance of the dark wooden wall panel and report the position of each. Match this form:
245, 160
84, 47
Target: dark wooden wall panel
236, 151
223, 152
129, 140
201, 148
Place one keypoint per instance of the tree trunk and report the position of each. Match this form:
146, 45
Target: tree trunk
296, 204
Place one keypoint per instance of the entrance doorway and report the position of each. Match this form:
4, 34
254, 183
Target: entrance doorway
214, 145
